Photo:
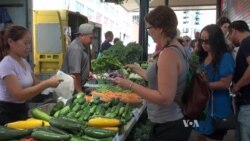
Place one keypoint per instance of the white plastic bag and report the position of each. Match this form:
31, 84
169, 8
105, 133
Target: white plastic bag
66, 88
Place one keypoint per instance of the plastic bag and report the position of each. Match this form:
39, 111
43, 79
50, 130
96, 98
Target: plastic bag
66, 88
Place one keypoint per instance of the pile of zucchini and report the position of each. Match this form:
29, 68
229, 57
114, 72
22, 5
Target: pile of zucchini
77, 120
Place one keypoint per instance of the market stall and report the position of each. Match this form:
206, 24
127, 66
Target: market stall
104, 112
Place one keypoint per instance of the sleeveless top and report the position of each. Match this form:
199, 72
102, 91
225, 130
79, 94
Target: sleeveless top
172, 112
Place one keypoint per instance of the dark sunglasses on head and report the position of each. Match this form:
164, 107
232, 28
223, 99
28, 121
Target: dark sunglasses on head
206, 41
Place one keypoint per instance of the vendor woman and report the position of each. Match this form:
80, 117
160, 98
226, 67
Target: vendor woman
17, 81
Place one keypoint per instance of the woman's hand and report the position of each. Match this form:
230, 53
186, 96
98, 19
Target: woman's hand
124, 83
54, 81
132, 67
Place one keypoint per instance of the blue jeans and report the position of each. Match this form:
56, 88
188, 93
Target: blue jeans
244, 122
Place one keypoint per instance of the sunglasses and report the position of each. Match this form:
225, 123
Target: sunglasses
205, 41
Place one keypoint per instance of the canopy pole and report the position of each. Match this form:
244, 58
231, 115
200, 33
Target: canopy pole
143, 35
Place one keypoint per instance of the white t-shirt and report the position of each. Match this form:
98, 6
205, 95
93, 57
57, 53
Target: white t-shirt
9, 66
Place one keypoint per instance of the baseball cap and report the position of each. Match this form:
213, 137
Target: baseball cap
86, 28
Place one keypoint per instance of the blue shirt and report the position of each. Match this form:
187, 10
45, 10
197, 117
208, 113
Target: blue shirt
221, 98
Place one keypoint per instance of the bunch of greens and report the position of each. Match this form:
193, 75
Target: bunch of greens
125, 54
105, 63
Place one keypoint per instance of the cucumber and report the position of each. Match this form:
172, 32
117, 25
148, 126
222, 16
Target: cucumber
80, 101
37, 113
87, 138
59, 105
65, 110
92, 109
56, 113
65, 124
80, 95
78, 114
98, 133
71, 114
49, 136
76, 108
9, 134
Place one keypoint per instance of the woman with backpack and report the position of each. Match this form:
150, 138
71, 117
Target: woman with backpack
218, 63
166, 78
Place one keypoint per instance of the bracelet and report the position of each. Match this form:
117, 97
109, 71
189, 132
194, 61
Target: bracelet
130, 85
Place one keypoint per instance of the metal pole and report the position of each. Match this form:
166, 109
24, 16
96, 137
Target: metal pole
166, 2
143, 35
218, 9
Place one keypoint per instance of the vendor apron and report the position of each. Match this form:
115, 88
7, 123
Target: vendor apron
10, 112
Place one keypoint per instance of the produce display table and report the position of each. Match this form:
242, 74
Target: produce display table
126, 129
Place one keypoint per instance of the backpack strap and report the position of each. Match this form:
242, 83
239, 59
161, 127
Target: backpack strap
182, 52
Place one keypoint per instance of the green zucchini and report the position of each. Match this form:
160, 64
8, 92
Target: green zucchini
69, 119
37, 113
65, 124
9, 134
87, 138
75, 138
56, 130
98, 133
49, 136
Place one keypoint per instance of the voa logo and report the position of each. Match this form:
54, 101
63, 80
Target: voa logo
190, 123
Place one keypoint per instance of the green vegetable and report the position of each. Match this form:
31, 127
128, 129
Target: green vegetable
37, 113
75, 138
87, 138
57, 130
8, 133
65, 110
65, 124
58, 106
98, 133
48, 136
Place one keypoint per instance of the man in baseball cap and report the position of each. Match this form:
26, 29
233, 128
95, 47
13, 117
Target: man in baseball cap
76, 61
86, 28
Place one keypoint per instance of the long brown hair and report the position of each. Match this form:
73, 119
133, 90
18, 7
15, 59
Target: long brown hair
14, 32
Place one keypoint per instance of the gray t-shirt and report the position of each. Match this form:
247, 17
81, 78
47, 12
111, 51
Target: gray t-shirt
172, 112
9, 66
77, 60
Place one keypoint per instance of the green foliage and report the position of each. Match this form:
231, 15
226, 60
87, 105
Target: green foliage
116, 56
194, 61
126, 55
133, 53
116, 51
105, 63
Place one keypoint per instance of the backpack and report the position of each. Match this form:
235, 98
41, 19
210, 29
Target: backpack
197, 91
